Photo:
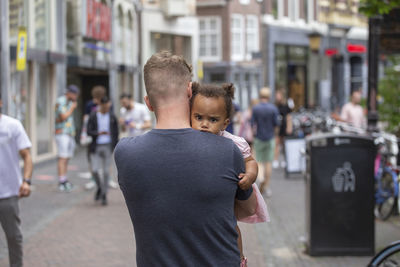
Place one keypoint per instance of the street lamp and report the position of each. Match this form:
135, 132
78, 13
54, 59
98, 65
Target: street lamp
314, 39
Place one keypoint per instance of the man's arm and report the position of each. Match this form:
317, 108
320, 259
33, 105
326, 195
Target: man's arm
25, 188
63, 116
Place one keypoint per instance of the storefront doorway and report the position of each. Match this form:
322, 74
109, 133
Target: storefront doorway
291, 73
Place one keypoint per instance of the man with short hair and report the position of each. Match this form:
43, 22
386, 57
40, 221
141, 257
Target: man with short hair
180, 185
13, 141
265, 122
65, 134
135, 118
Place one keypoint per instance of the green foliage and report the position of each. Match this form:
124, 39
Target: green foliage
389, 90
377, 7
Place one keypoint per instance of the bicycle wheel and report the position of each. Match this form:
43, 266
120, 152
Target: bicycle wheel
384, 210
388, 257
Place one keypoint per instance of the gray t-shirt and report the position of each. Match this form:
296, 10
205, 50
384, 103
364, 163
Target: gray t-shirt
179, 187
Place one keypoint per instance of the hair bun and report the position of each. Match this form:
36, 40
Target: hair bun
229, 89
195, 87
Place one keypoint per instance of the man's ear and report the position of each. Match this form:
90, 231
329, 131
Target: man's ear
189, 90
147, 101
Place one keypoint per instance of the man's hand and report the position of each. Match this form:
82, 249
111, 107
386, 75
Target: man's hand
246, 180
24, 190
74, 105
132, 125
103, 133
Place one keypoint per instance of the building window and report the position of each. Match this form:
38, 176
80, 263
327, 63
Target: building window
130, 40
210, 32
244, 2
119, 35
237, 43
19, 94
41, 24
274, 10
252, 42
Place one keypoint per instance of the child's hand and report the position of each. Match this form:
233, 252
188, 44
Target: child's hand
246, 180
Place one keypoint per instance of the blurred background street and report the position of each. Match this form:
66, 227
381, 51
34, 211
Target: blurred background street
332, 68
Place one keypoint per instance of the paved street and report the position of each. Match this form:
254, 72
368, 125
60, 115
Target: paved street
62, 229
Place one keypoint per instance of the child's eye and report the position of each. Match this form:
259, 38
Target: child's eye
214, 119
198, 117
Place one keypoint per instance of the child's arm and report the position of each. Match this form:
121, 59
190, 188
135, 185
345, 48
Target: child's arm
248, 178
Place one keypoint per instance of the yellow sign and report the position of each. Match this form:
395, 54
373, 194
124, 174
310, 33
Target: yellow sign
200, 73
21, 49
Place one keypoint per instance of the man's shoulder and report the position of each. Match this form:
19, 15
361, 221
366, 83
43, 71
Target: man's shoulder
10, 121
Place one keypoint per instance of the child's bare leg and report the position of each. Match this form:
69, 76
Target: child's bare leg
239, 241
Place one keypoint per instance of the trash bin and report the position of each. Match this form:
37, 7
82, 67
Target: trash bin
340, 195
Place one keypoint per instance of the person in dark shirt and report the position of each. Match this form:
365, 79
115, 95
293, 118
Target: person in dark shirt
265, 120
180, 185
285, 127
103, 128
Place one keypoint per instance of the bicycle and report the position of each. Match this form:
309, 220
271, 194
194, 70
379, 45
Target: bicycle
386, 175
387, 257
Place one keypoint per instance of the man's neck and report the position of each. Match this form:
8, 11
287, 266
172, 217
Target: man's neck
173, 116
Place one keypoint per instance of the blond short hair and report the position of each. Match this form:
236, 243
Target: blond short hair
265, 92
166, 76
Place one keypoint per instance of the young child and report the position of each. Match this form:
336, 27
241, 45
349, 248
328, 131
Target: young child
211, 108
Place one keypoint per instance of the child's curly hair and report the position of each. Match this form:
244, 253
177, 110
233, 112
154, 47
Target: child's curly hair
226, 90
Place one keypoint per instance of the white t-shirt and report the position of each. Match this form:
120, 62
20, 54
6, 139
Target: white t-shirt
103, 125
13, 138
138, 114
354, 115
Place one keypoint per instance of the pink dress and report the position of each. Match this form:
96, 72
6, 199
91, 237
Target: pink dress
261, 214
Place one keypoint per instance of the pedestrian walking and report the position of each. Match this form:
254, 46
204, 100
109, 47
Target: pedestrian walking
211, 108
246, 131
179, 183
98, 92
65, 134
285, 127
352, 112
265, 122
14, 142
135, 117
103, 128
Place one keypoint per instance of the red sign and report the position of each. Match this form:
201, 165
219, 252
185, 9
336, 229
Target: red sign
330, 52
98, 24
355, 48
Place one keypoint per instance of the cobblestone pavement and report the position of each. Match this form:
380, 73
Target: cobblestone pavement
69, 229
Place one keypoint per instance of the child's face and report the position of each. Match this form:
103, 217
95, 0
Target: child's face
209, 114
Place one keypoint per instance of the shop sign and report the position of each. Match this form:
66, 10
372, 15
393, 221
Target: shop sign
98, 21
356, 48
21, 49
200, 73
390, 32
331, 52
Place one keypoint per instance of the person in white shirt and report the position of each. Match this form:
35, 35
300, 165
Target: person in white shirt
135, 117
14, 142
352, 112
